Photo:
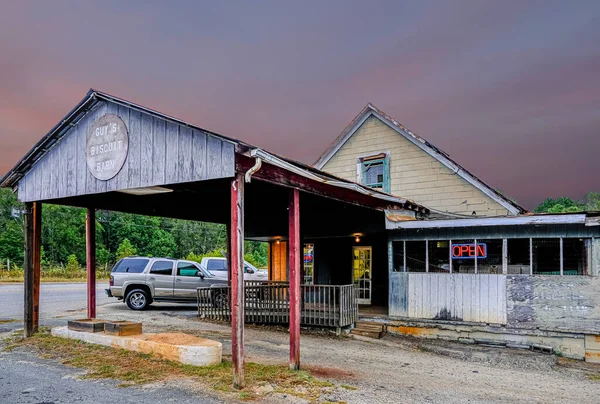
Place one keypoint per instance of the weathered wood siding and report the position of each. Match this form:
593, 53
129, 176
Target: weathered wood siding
561, 303
160, 152
458, 297
414, 174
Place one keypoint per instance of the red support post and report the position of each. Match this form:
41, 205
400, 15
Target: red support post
90, 248
294, 262
37, 260
28, 270
236, 259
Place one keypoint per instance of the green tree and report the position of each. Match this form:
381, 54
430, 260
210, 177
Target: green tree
558, 205
126, 249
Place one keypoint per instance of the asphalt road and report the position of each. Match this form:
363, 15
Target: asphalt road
24, 378
55, 298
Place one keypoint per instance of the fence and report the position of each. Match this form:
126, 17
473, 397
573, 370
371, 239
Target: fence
268, 303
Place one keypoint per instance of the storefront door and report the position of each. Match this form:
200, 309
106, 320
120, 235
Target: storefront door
361, 273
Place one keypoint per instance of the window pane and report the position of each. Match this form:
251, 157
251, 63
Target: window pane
398, 248
518, 256
186, 269
415, 256
575, 256
439, 256
374, 174
492, 264
217, 265
546, 256
131, 265
309, 263
463, 256
162, 268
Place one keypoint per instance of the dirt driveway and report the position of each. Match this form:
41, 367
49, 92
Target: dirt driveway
394, 369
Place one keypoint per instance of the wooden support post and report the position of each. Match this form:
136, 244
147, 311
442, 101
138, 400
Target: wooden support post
37, 261
228, 253
28, 271
294, 258
236, 257
90, 248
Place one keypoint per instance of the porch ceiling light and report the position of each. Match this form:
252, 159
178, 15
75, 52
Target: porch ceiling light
146, 191
357, 237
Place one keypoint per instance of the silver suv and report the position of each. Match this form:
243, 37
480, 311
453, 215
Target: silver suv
143, 280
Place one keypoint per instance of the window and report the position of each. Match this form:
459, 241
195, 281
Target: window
186, 269
216, 265
375, 172
309, 263
162, 268
575, 256
492, 263
415, 256
439, 256
546, 256
398, 248
518, 256
131, 265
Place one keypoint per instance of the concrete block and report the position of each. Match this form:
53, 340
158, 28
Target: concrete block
197, 351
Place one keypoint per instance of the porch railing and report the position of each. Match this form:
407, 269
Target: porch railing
268, 303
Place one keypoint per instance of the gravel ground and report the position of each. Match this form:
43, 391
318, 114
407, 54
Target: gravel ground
391, 370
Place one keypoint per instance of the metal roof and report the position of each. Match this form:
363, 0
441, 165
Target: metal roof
12, 178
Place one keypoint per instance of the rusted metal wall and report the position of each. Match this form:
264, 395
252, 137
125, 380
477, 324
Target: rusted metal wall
476, 298
565, 303
160, 152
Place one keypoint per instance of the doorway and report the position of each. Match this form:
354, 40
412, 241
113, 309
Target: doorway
361, 273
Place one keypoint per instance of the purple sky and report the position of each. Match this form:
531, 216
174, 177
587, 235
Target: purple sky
509, 89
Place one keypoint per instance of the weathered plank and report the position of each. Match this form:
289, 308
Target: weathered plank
214, 157
227, 160
146, 159
135, 147
199, 154
121, 181
159, 151
185, 164
172, 145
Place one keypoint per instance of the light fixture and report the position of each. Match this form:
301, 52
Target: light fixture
357, 237
277, 241
146, 191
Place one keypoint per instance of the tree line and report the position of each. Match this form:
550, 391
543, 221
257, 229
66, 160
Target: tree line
117, 235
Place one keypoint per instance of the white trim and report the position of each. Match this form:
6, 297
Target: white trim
427, 149
487, 221
323, 160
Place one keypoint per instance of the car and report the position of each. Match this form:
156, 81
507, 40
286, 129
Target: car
218, 266
140, 281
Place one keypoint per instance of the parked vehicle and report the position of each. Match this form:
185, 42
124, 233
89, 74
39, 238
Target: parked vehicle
139, 281
218, 267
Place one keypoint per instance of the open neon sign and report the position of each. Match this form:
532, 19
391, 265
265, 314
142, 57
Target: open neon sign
468, 251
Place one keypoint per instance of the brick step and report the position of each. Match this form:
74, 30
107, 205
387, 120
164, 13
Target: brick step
370, 334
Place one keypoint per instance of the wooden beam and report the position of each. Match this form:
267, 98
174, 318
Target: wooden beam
37, 261
236, 256
294, 258
28, 271
279, 176
90, 249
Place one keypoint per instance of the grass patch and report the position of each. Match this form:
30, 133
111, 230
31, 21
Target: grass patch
345, 386
11, 320
133, 368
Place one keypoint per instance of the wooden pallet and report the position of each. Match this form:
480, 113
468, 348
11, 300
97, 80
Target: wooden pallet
122, 328
86, 325
369, 329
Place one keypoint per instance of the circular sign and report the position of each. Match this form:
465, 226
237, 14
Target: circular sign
106, 146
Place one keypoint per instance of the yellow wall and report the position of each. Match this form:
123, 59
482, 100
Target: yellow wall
414, 174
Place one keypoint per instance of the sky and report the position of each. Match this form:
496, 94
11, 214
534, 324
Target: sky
510, 89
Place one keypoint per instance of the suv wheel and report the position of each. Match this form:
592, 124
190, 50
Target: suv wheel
220, 300
137, 299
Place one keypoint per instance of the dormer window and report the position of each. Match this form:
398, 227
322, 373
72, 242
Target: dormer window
375, 171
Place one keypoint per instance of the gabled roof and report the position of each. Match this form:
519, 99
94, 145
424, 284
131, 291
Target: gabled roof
91, 99
443, 157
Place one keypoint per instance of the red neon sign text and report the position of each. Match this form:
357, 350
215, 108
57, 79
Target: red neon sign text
462, 251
